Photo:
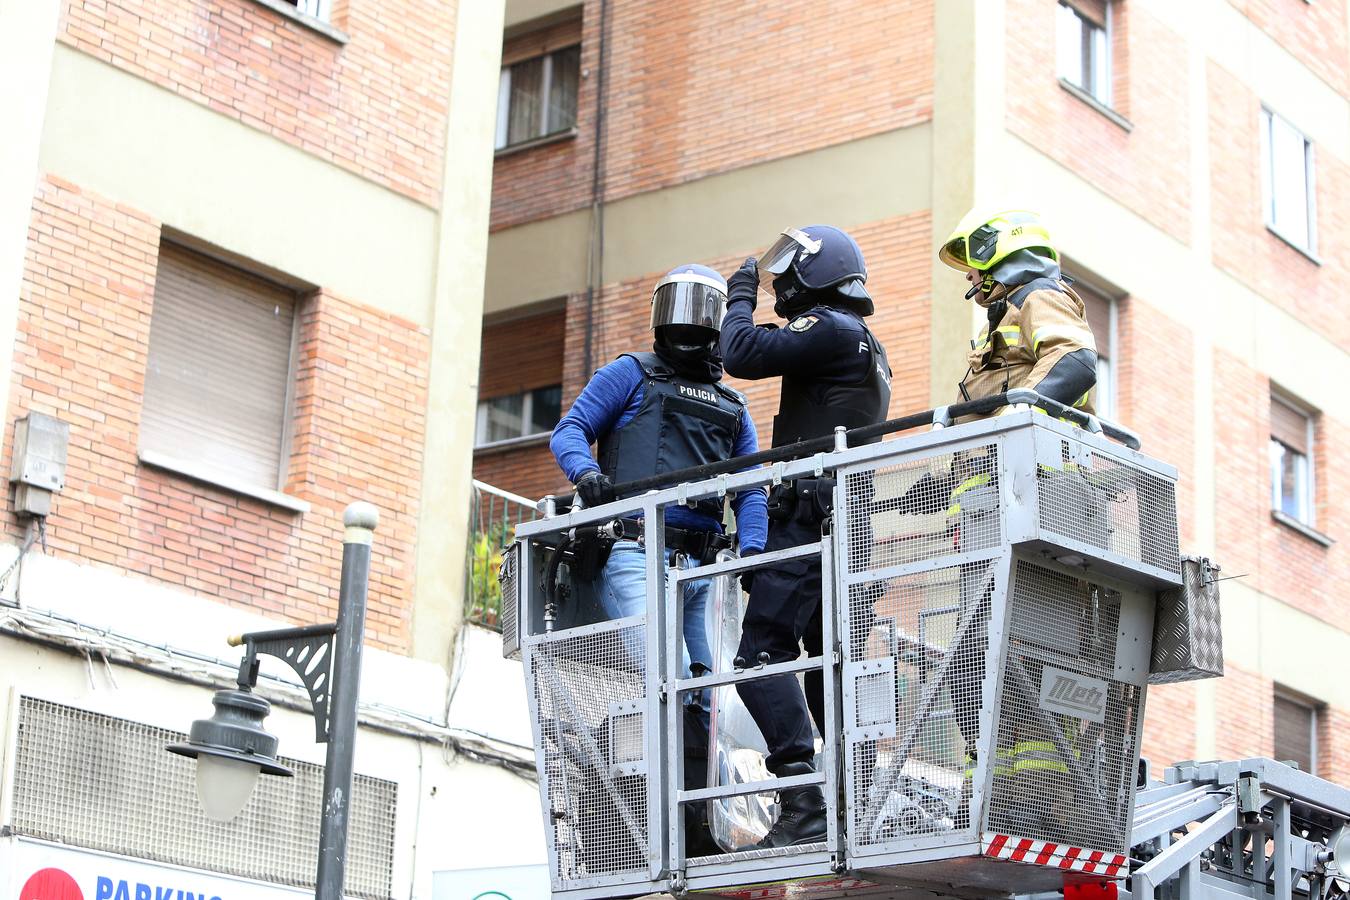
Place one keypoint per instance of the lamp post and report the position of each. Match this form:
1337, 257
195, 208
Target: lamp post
231, 747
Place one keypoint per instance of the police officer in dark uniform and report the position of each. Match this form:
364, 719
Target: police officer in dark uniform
834, 373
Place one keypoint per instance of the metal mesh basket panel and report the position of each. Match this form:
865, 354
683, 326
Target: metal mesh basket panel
1066, 730
90, 780
922, 509
1113, 505
915, 648
590, 696
508, 578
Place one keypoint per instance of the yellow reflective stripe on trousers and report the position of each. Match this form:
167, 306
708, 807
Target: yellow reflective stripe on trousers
1040, 765
970, 483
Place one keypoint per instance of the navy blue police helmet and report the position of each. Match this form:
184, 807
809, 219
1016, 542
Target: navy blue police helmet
822, 259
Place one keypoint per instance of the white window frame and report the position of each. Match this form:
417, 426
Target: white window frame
319, 9
1314, 719
545, 89
1308, 497
1268, 198
1102, 92
526, 415
1107, 403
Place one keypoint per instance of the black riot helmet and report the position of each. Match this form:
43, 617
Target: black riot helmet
687, 308
816, 264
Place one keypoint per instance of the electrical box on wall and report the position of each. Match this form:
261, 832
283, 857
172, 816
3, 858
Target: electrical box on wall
38, 468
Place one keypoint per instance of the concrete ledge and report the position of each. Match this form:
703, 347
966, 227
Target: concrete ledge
566, 134
1096, 104
1307, 531
200, 473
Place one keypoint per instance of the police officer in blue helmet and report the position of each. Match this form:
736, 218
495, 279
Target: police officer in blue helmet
659, 411
834, 373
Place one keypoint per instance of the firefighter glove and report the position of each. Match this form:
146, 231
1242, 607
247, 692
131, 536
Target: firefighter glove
744, 282
596, 489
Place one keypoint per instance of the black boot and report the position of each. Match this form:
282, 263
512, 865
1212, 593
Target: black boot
801, 812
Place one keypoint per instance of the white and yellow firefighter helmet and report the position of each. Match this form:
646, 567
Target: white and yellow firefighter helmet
981, 241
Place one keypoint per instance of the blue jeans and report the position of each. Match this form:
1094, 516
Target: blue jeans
623, 592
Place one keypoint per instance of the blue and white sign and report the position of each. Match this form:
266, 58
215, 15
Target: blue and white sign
35, 870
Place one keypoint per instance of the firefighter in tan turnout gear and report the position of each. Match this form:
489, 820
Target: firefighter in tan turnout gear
1035, 336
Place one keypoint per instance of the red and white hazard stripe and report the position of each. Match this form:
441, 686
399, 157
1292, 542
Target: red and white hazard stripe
1060, 856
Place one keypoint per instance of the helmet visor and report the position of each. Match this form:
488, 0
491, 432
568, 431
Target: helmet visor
695, 301
782, 254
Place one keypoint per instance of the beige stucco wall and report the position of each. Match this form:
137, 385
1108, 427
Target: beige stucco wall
456, 320
247, 192
738, 212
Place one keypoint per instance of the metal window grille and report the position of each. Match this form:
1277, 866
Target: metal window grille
1067, 729
92, 780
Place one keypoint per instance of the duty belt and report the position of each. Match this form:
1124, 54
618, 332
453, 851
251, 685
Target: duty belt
696, 543
810, 500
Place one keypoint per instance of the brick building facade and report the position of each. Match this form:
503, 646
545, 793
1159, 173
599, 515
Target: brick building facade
240, 242
1148, 157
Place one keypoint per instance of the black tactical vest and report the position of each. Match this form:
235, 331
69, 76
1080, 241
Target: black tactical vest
680, 423
811, 408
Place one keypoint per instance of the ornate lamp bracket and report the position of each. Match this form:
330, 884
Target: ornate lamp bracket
307, 650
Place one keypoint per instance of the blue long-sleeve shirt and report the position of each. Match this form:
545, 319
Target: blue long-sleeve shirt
608, 402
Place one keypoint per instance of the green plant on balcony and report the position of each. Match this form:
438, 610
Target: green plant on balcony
485, 559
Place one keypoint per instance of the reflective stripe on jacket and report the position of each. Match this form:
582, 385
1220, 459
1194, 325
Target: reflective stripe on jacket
1035, 333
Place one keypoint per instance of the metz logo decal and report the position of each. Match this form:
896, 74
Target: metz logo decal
1071, 694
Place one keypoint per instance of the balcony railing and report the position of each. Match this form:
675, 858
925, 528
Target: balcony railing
493, 517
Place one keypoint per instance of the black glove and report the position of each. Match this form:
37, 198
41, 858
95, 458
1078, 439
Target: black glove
744, 283
748, 576
596, 489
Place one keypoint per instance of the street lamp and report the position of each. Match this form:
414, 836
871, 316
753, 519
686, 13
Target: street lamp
231, 747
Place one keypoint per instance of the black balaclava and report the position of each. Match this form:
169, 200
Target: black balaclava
691, 350
792, 298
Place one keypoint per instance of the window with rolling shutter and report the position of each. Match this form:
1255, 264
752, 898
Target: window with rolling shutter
1296, 731
218, 376
1291, 456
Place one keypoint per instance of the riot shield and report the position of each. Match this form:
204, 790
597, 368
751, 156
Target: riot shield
736, 749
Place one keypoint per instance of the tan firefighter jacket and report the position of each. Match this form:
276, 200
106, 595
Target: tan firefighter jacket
1039, 328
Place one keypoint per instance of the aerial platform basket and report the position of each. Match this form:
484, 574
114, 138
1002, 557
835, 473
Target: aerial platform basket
989, 602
